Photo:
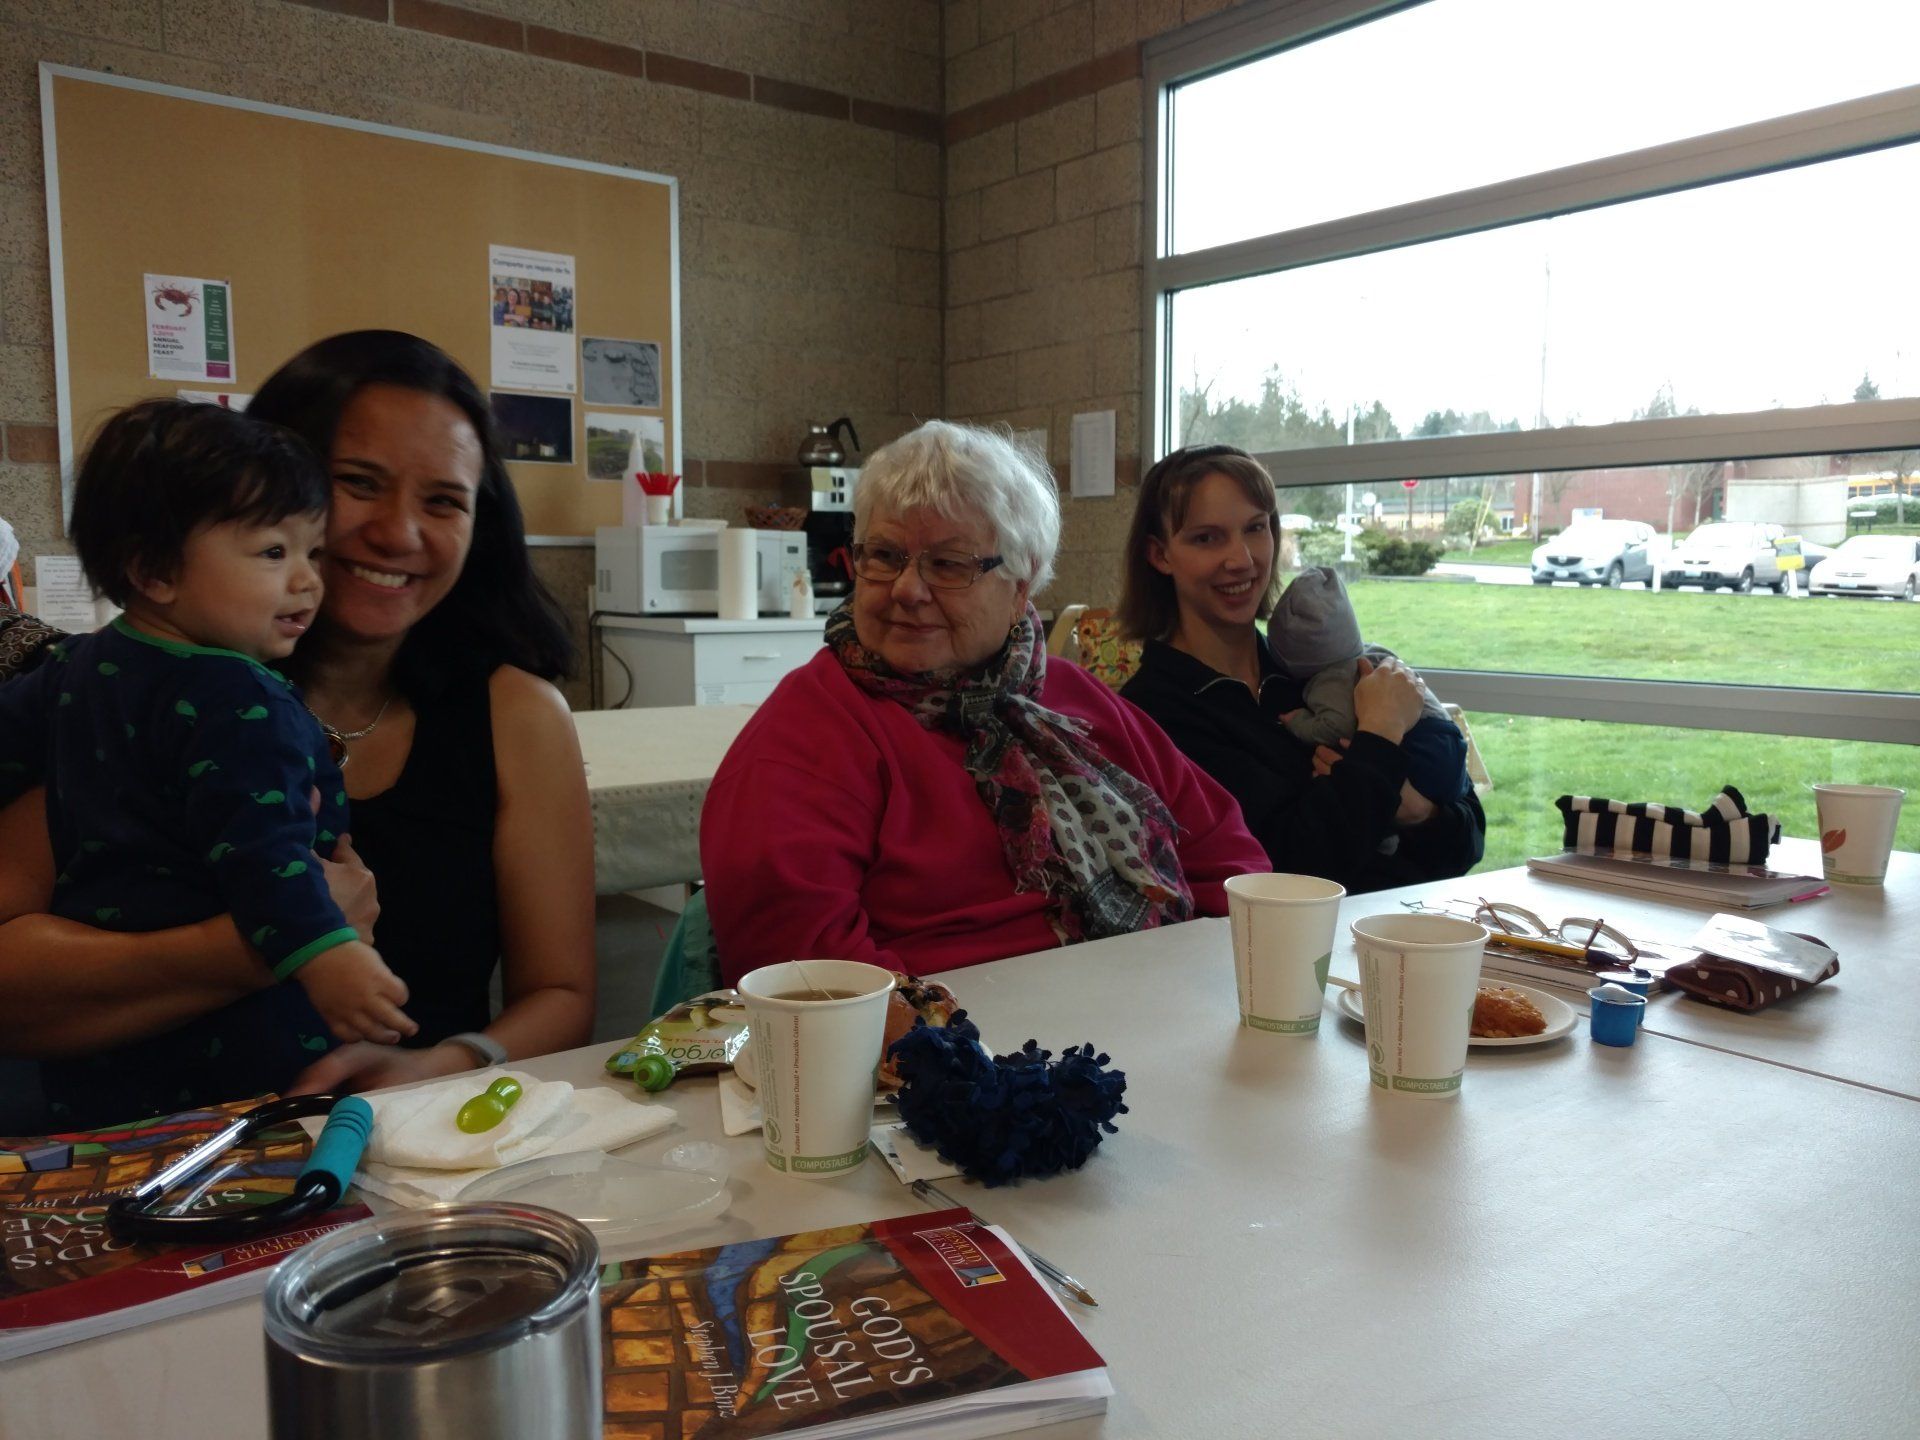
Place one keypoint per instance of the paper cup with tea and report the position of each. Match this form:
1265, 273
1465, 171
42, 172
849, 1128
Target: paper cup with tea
1856, 831
817, 1027
1282, 928
1419, 975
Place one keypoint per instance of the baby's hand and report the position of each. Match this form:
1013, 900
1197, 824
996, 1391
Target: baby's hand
356, 994
1289, 714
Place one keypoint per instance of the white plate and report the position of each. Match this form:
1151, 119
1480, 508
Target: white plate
1560, 1016
616, 1198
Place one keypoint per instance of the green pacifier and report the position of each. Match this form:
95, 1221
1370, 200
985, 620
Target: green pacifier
490, 1107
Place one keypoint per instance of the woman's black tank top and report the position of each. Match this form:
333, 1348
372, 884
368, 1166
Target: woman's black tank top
429, 842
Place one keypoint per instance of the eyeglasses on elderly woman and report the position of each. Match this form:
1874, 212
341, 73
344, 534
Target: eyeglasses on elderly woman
942, 569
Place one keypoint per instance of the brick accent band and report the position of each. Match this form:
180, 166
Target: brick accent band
1045, 94
477, 27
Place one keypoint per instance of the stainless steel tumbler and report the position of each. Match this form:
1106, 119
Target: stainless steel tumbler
468, 1321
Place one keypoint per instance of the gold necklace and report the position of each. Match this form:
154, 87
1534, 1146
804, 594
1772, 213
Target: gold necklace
337, 739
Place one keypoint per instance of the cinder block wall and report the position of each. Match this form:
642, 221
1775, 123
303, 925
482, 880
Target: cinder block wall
1043, 236
806, 135
818, 143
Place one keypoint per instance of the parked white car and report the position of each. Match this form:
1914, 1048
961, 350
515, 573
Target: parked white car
1596, 552
1735, 553
1870, 565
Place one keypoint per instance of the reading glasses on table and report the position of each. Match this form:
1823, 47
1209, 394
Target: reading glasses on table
1576, 938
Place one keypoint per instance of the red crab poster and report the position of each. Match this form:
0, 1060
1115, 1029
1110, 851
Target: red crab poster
189, 328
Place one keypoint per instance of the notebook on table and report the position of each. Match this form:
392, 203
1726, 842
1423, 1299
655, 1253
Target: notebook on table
1728, 886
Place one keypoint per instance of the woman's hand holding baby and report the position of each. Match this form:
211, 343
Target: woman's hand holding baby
356, 994
1386, 699
351, 885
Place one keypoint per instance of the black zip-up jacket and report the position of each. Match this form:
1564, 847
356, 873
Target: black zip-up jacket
1333, 826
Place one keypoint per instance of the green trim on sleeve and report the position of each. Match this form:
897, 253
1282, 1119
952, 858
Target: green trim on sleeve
312, 948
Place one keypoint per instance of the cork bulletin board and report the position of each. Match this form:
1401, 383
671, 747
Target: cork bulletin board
321, 224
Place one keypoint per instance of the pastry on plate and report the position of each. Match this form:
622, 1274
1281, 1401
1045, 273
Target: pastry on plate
1502, 1013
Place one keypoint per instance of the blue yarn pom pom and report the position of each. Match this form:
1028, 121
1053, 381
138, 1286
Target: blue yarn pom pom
1006, 1117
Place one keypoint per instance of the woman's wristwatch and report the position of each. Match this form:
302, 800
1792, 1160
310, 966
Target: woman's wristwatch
490, 1050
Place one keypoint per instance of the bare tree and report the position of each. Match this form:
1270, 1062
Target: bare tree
1690, 482
1197, 401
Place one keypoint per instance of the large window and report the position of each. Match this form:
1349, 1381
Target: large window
1447, 96
1578, 306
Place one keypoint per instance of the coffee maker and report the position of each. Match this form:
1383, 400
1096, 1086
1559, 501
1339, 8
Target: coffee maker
826, 493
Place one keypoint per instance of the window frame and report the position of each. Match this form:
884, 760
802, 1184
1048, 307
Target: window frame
1829, 132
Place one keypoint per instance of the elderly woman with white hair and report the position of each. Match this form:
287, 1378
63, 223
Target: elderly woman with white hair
932, 789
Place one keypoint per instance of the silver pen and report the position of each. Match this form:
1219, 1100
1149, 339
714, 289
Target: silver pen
1062, 1281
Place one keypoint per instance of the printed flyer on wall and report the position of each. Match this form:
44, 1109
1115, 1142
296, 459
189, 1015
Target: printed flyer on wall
531, 299
189, 328
622, 372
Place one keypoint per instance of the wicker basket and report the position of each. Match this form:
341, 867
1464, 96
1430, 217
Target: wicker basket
776, 517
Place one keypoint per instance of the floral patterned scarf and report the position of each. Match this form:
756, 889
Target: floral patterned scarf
1075, 826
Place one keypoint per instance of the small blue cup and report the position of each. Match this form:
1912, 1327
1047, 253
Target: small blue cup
1626, 980
1613, 1021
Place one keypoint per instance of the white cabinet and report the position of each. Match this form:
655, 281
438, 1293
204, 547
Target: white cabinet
699, 660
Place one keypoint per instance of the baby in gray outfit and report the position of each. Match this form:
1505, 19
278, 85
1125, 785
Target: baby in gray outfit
1315, 638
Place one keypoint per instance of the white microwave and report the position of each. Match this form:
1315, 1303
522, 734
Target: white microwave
675, 569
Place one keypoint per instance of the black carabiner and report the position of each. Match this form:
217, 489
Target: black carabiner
318, 1186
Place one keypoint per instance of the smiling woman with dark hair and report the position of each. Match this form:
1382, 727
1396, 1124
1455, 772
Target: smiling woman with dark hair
429, 669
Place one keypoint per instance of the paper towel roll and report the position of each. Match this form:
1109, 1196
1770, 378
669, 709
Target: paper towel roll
739, 575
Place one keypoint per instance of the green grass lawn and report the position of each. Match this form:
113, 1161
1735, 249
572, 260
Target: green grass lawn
1681, 635
1760, 639
1495, 552
1534, 760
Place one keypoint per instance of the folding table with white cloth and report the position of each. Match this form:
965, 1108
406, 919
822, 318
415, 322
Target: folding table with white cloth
648, 771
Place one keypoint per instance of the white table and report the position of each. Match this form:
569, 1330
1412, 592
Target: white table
648, 773
1862, 1026
1658, 1241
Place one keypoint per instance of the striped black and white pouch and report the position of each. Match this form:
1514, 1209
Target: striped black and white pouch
1724, 831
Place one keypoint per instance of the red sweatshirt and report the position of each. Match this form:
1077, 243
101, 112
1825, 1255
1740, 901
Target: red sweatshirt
839, 828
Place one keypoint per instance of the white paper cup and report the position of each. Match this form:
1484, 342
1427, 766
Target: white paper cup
1856, 831
816, 1060
1282, 927
659, 509
1419, 975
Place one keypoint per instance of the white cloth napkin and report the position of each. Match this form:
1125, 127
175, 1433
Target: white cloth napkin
909, 1159
739, 1106
418, 1156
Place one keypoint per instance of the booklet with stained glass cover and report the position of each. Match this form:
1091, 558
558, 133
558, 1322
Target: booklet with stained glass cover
928, 1325
64, 1278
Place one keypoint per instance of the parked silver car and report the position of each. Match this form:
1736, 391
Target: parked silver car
1870, 565
1596, 552
1738, 554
